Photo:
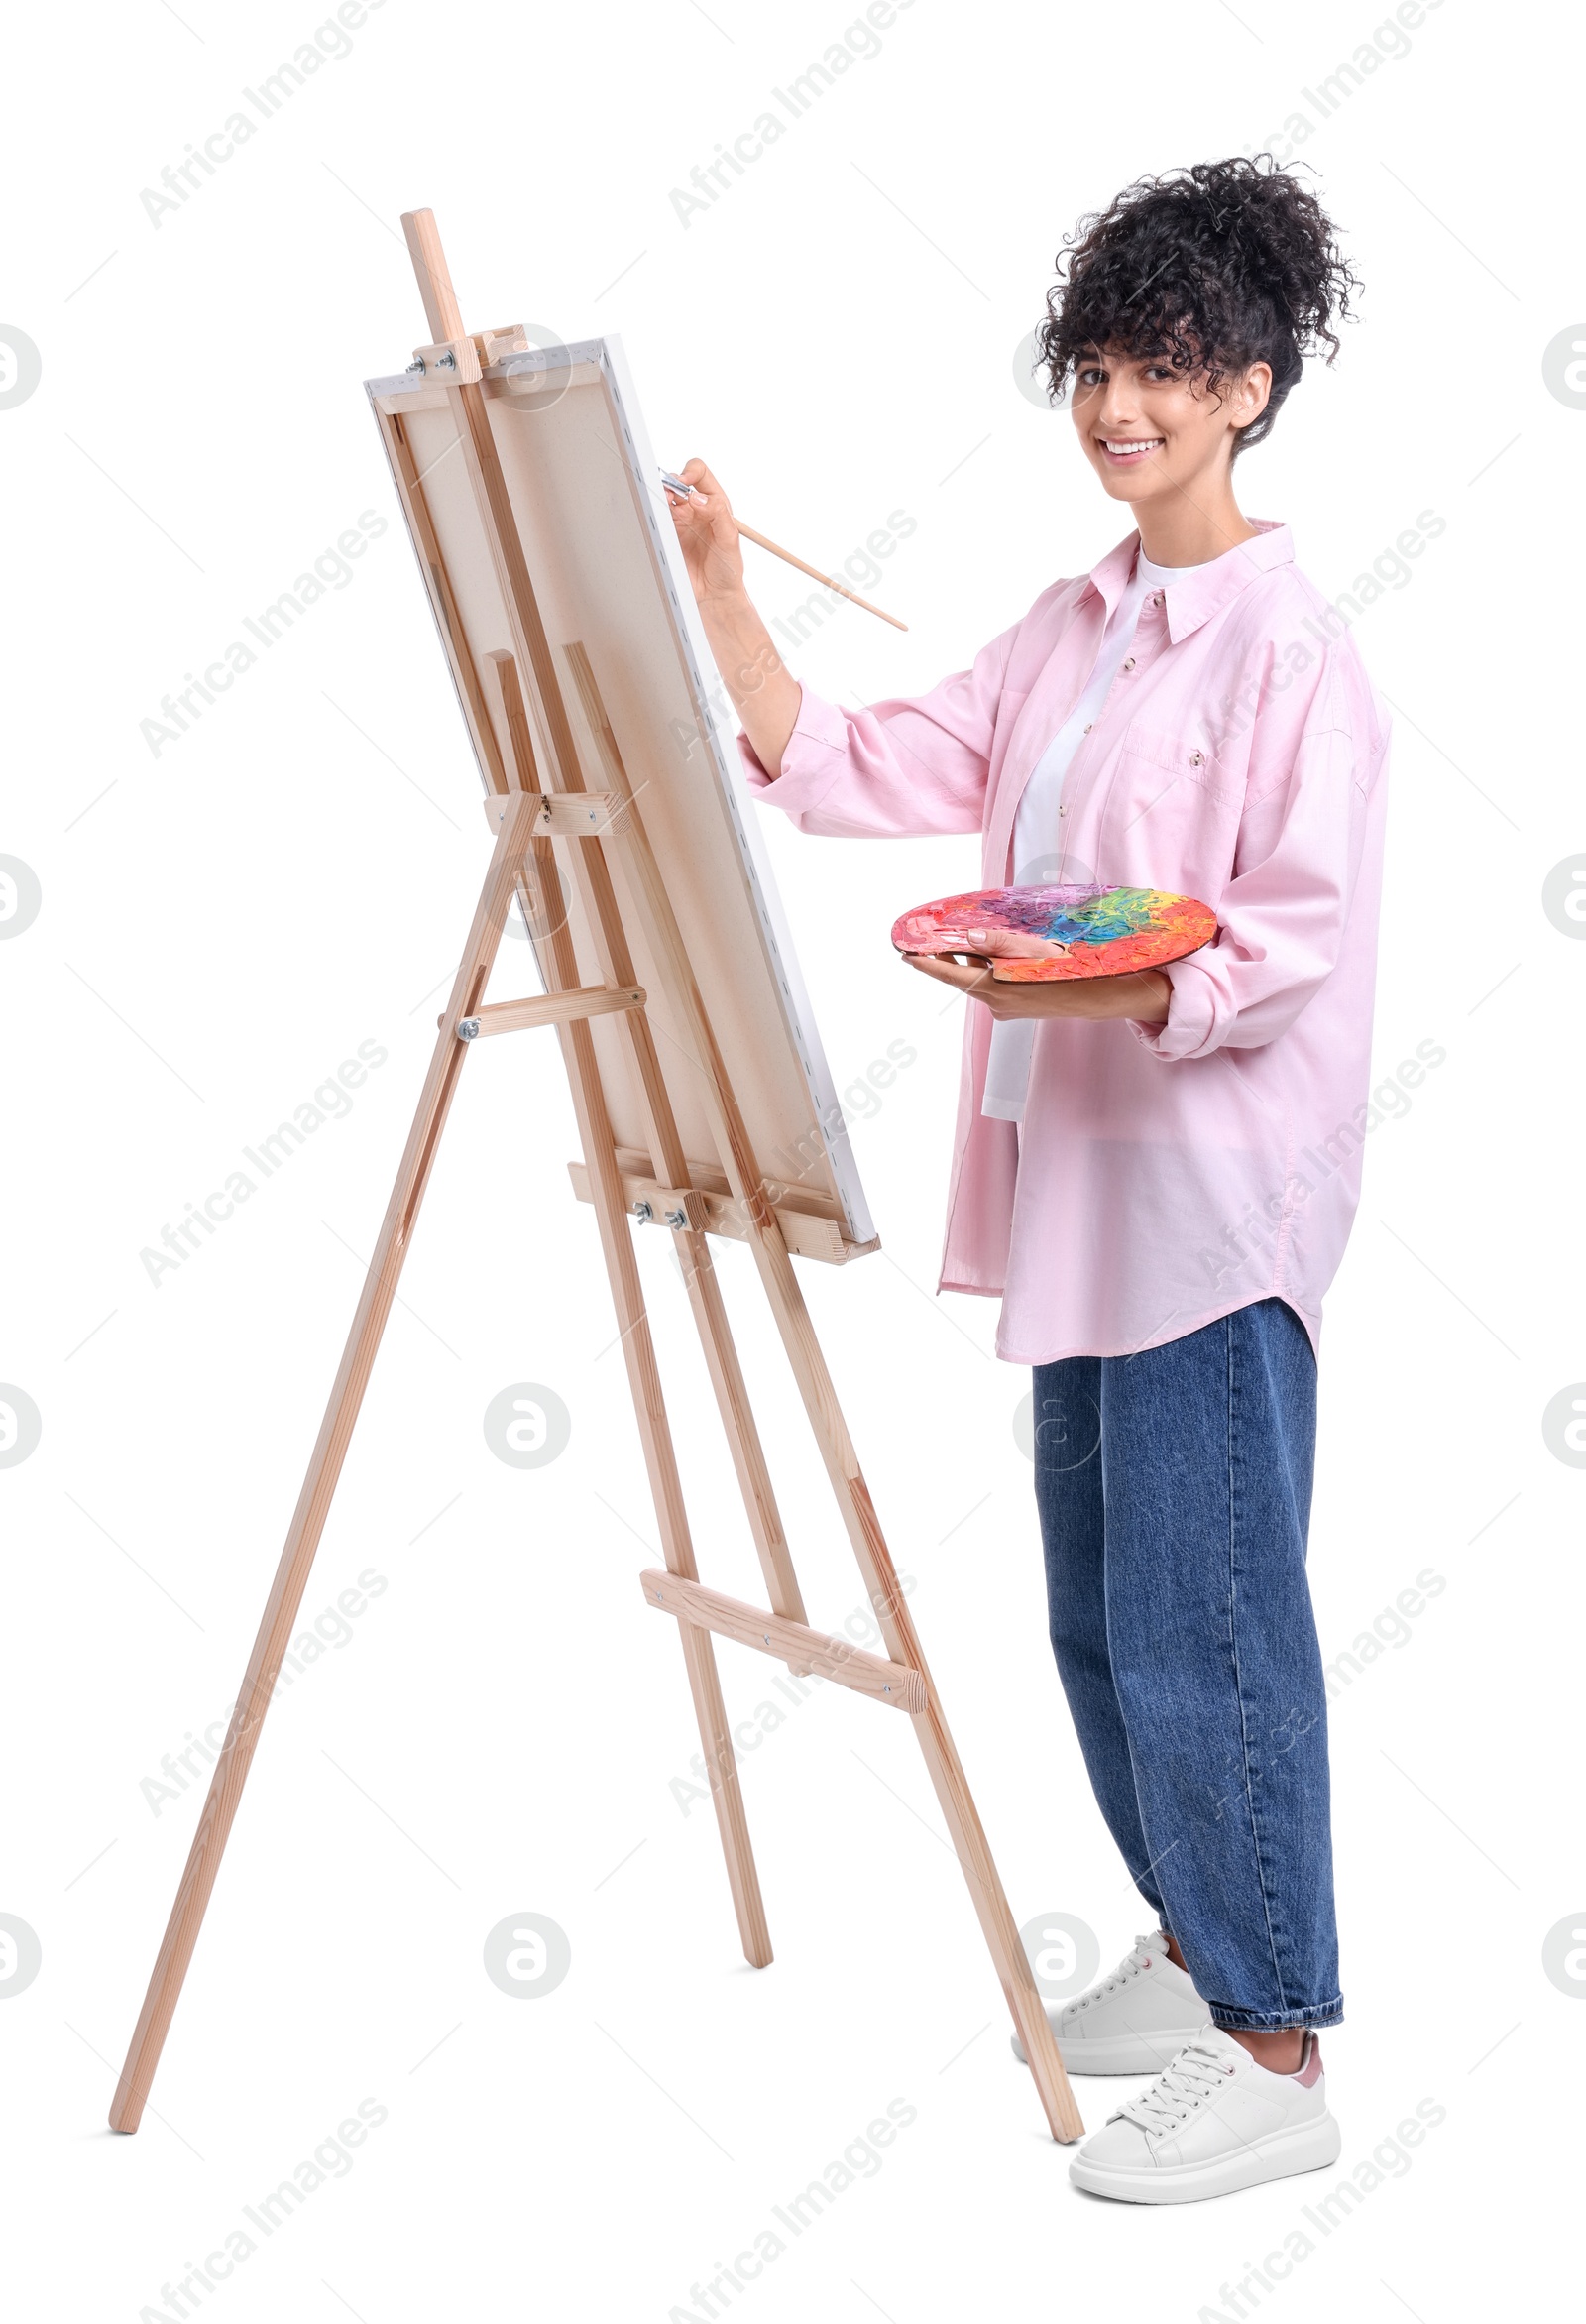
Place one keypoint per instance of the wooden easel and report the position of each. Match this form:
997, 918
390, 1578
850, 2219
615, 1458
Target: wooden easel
593, 827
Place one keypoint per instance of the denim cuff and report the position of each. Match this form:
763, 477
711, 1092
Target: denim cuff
1327, 2012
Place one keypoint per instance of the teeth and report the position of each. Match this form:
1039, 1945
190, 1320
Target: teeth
1145, 444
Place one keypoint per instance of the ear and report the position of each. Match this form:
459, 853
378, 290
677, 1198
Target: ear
1249, 398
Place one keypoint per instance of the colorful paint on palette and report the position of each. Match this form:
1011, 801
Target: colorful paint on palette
1102, 931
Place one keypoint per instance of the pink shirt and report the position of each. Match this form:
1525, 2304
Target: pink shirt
1168, 1174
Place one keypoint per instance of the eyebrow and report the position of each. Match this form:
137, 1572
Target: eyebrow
1101, 361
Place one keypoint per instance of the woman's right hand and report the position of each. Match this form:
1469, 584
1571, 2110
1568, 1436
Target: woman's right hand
765, 695
707, 533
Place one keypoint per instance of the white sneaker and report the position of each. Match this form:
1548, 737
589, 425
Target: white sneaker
1134, 2021
1213, 2122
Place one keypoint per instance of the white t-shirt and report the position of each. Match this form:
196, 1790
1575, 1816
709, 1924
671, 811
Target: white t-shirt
1040, 853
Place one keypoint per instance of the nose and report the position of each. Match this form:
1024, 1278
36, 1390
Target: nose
1117, 409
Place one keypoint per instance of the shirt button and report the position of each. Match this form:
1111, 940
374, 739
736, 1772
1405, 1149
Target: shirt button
1063, 810
1157, 600
1197, 758
1088, 729
1129, 665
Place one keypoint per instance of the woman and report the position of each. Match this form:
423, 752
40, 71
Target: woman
1158, 1173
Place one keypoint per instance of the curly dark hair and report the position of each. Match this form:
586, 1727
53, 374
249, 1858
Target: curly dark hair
1212, 269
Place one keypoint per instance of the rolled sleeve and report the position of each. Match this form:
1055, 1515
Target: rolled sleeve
812, 758
1190, 1026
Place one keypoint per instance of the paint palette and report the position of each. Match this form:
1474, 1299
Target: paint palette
1103, 931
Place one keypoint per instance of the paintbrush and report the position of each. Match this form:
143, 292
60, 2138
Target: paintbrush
675, 484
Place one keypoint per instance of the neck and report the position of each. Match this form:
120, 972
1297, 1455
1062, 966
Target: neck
1192, 525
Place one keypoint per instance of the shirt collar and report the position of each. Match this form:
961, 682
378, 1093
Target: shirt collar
1193, 602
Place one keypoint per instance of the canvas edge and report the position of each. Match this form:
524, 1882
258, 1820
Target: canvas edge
776, 935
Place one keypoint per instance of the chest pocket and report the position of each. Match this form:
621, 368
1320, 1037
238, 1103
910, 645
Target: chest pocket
1010, 709
1170, 816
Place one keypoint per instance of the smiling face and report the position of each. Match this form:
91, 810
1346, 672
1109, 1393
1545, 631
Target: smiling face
1152, 434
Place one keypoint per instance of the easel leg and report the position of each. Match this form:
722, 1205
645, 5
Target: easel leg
313, 1505
543, 907
666, 1487
737, 1420
902, 1641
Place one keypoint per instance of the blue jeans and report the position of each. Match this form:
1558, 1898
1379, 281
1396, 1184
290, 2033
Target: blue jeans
1174, 1489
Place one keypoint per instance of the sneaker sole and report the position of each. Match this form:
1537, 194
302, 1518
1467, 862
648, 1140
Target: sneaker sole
1307, 2146
1132, 2053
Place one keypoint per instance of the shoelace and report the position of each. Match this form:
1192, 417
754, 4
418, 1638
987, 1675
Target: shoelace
1196, 2074
1130, 1966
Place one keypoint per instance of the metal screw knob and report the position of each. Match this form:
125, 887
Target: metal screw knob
417, 362
446, 361
468, 1028
643, 1213
677, 1218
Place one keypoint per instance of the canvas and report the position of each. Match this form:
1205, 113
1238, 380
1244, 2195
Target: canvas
606, 572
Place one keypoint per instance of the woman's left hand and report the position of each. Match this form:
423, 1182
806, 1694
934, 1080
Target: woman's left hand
1143, 996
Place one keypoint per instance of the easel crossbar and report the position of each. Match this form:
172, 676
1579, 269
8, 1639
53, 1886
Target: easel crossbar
547, 1008
803, 1649
562, 814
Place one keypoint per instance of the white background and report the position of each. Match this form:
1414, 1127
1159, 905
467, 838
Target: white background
223, 923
